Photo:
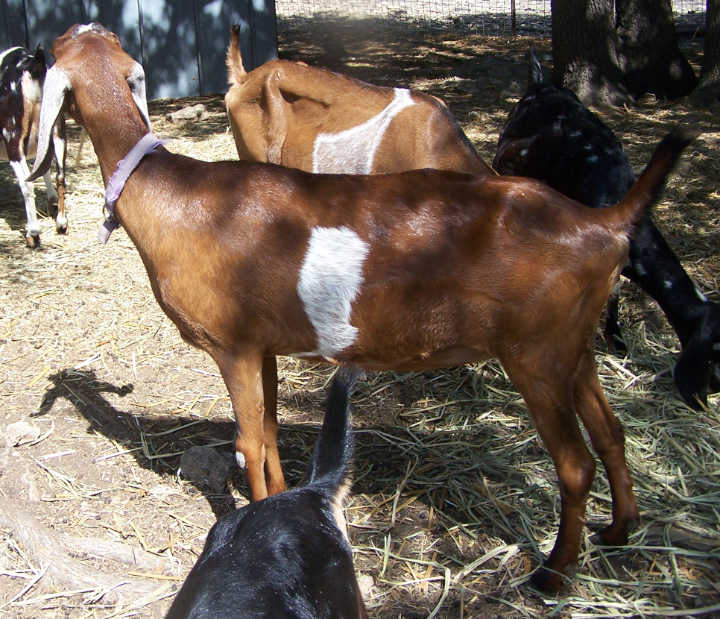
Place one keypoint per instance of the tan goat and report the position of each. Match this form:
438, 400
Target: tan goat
315, 120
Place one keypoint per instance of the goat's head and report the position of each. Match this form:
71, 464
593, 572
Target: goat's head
86, 53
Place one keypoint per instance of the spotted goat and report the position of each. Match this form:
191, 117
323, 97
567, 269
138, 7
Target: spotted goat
411, 271
21, 81
316, 120
552, 136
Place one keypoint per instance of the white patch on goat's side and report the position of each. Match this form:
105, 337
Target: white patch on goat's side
330, 279
240, 459
353, 151
667, 283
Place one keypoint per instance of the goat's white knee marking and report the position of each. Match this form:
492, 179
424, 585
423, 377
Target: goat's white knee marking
330, 279
353, 151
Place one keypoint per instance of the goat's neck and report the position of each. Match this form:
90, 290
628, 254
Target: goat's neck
111, 144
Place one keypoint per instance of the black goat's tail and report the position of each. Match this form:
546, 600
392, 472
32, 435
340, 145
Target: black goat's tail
233, 58
649, 186
332, 454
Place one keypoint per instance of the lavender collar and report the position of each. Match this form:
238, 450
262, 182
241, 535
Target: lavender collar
116, 184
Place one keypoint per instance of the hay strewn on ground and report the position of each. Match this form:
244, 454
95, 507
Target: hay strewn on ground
455, 500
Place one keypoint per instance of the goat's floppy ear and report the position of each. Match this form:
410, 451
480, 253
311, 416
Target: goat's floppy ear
57, 85
136, 81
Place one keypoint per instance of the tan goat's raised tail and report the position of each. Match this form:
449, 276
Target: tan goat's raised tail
233, 59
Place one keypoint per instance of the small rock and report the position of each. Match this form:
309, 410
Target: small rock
191, 112
366, 583
162, 491
21, 433
206, 466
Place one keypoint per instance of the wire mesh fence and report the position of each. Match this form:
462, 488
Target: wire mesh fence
493, 17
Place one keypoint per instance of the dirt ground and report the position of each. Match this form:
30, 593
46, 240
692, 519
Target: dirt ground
455, 500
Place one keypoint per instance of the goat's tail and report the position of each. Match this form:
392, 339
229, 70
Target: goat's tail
233, 59
648, 188
333, 449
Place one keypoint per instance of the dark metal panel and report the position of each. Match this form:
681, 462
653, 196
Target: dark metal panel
170, 54
213, 27
258, 40
181, 43
48, 19
12, 24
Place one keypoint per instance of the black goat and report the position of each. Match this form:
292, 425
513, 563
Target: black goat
552, 136
287, 555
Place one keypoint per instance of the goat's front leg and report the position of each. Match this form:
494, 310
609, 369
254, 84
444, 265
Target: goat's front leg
548, 398
273, 469
243, 377
32, 233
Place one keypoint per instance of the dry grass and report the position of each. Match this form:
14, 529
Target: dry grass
455, 500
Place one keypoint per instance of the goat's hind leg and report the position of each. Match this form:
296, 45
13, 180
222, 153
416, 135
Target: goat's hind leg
273, 469
546, 385
608, 440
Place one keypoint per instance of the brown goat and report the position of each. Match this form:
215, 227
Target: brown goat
315, 120
410, 271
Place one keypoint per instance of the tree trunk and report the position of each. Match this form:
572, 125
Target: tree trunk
709, 89
648, 52
584, 58
606, 56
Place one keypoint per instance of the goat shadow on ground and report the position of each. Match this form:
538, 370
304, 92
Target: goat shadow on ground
379, 467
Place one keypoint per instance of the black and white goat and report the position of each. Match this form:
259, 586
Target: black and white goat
287, 555
552, 136
22, 74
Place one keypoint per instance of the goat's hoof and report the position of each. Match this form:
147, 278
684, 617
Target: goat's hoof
548, 580
32, 240
61, 228
614, 534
